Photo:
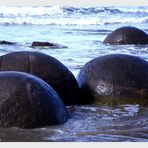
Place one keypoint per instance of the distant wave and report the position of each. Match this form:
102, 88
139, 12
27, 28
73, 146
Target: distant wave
56, 10
55, 15
68, 21
129, 9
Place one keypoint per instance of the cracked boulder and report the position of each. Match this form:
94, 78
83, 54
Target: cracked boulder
26, 101
115, 79
47, 68
127, 35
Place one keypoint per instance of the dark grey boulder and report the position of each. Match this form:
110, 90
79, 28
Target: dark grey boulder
115, 79
6, 43
26, 101
127, 35
47, 68
37, 43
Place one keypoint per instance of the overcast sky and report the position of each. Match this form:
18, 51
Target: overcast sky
73, 2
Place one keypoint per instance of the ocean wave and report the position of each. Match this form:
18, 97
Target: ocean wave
133, 9
90, 10
30, 11
56, 10
60, 11
55, 15
69, 21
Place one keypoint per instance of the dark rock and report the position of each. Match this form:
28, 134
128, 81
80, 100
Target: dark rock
6, 43
36, 43
127, 35
47, 68
26, 101
115, 79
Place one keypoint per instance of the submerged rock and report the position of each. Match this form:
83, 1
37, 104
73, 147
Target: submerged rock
46, 44
26, 101
115, 79
47, 68
127, 35
36, 43
6, 43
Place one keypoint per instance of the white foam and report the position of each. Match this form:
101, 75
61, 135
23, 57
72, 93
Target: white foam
67, 21
133, 9
131, 109
30, 11
56, 15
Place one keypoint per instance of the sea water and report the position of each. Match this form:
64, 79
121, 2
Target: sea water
79, 32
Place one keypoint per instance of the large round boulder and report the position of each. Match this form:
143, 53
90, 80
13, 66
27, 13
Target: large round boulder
47, 68
26, 101
127, 35
115, 79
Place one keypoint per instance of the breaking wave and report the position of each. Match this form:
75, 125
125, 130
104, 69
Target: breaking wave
55, 15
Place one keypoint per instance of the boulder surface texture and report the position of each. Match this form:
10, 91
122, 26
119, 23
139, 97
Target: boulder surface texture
115, 79
47, 68
26, 101
127, 35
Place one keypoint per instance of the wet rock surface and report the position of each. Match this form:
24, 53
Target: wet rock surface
47, 68
36, 43
127, 35
46, 44
115, 79
28, 102
6, 43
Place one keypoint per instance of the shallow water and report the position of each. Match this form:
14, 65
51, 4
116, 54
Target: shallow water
90, 123
79, 32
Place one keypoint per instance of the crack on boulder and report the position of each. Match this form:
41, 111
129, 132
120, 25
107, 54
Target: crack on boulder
29, 63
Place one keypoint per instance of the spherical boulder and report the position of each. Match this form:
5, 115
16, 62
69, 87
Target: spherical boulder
47, 68
26, 101
127, 35
115, 79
